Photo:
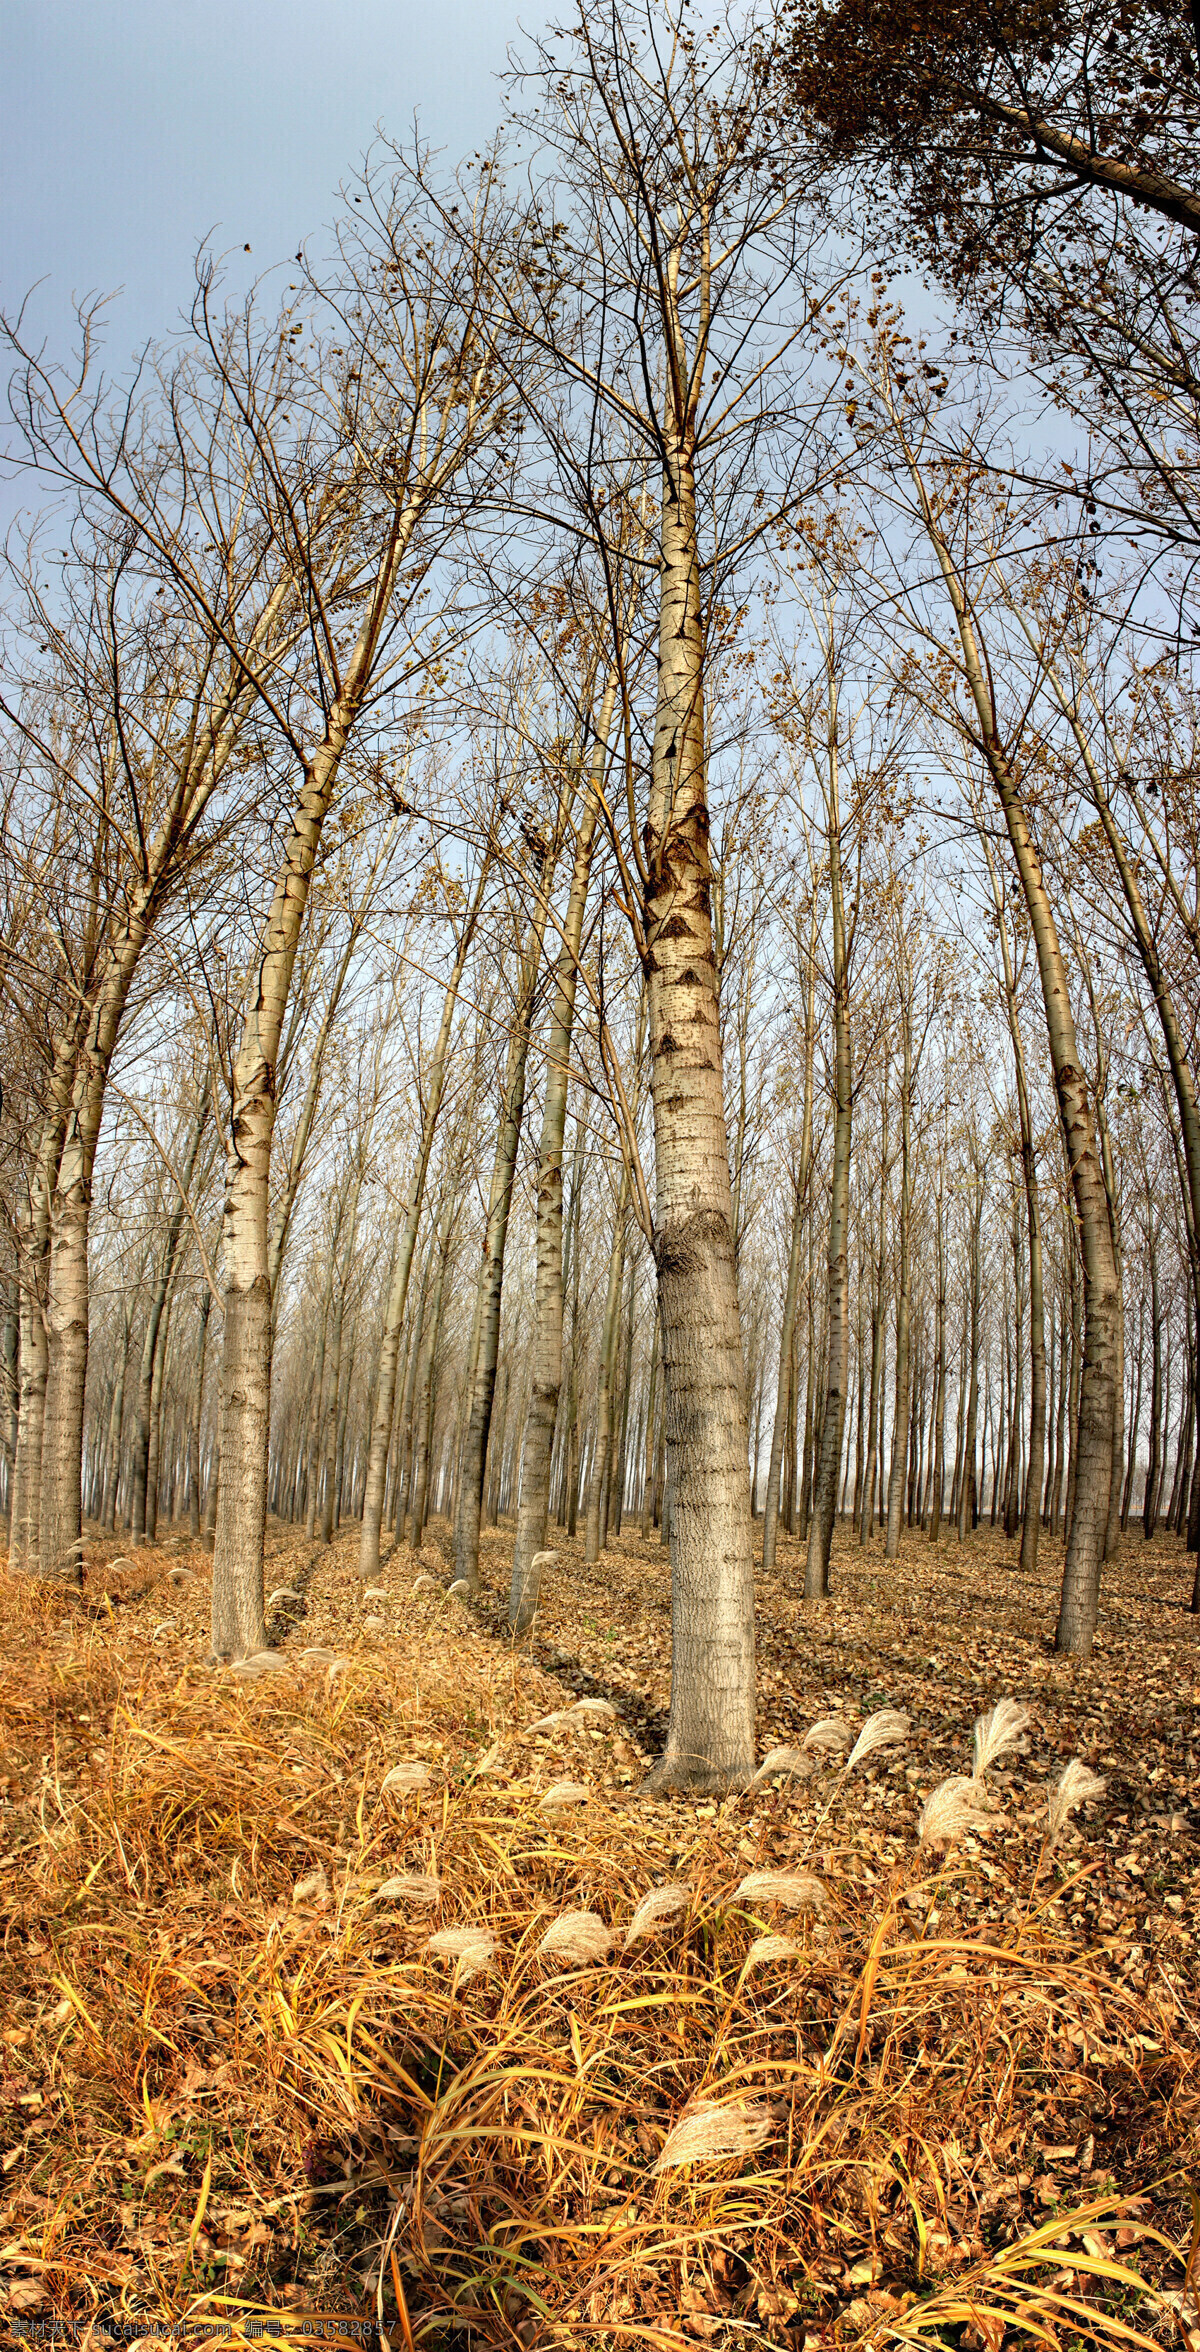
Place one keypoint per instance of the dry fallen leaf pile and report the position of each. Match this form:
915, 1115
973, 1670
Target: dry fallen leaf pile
372, 1976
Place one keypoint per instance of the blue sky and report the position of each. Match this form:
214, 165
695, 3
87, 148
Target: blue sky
135, 128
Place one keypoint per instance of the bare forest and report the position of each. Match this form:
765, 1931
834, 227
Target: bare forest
600, 1265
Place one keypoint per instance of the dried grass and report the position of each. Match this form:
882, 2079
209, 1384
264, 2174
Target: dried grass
712, 2134
471, 1948
577, 1939
244, 2093
951, 1810
996, 1732
412, 1773
793, 1890
886, 1729
830, 1737
562, 1794
773, 1947
655, 1909
1076, 1785
410, 1886
780, 1764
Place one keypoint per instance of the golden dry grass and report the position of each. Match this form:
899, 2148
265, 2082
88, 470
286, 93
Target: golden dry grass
964, 2108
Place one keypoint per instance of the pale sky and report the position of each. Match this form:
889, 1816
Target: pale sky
135, 128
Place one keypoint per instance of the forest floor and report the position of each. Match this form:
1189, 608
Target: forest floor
955, 2099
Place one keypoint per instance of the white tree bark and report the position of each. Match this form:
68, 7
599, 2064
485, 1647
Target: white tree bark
485, 1336
710, 1734
533, 1508
410, 1218
1092, 1467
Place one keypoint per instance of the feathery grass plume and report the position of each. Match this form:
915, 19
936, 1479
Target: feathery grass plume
951, 1809
164, 1626
773, 1947
174, 1575
883, 1730
270, 1661
793, 1890
712, 2133
410, 1774
829, 1737
375, 1592
1076, 1783
576, 1939
312, 1889
564, 1792
425, 1583
374, 1625
318, 1655
997, 1731
780, 1762
335, 1667
471, 1948
595, 1710
459, 1590
412, 1886
662, 1902
283, 1592
247, 1669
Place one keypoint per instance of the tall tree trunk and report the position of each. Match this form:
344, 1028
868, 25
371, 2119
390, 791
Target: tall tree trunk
938, 1433
139, 1530
405, 1486
1092, 1468
331, 1433
33, 1259
873, 1416
710, 1732
10, 1395
604, 1384
116, 1425
238, 1624
195, 1411
1073, 1408
312, 1498
1154, 1457
428, 1378
651, 1453
154, 1452
533, 1505
802, 1180
485, 1338
1182, 1079
1135, 1420
397, 1299
837, 1343
783, 1389
968, 1501
190, 792
67, 1314
1031, 1517
899, 1467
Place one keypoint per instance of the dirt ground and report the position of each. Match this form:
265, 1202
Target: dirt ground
938, 2093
